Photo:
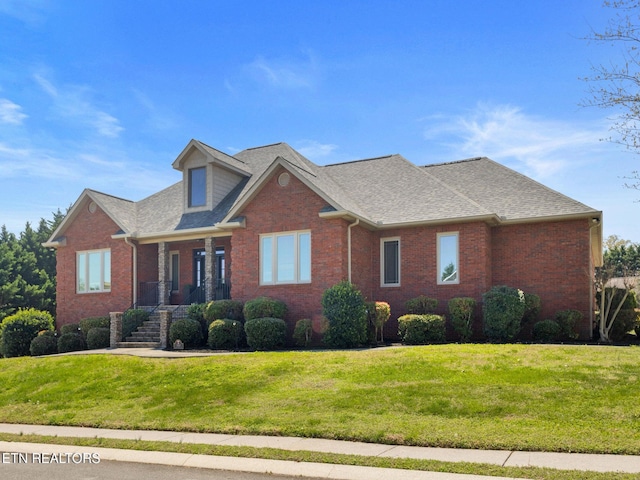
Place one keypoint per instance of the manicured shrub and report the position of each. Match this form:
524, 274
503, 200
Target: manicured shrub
302, 332
264, 307
70, 328
187, 330
98, 337
45, 343
87, 324
421, 305
19, 329
132, 319
226, 334
265, 333
195, 311
461, 310
546, 331
567, 320
71, 342
502, 310
345, 310
219, 309
532, 307
377, 315
416, 329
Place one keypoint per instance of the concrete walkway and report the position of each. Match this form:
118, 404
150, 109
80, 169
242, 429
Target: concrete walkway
564, 461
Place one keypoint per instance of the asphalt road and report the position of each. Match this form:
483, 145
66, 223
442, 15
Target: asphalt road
106, 470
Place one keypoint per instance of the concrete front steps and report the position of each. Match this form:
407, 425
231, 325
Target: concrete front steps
147, 335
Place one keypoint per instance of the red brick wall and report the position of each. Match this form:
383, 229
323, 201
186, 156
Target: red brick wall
92, 231
282, 209
418, 267
550, 260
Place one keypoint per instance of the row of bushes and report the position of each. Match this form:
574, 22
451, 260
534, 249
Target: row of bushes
31, 332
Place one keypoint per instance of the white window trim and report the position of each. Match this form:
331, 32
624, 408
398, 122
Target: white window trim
199, 206
457, 261
382, 242
274, 257
86, 271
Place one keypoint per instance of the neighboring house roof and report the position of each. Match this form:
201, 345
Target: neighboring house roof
383, 192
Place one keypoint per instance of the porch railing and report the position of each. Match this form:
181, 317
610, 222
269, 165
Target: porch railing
220, 290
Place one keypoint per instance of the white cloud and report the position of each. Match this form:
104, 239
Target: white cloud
75, 103
27, 11
506, 133
313, 149
11, 112
286, 73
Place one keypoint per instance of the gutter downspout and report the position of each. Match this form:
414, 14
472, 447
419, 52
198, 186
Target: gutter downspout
135, 267
349, 245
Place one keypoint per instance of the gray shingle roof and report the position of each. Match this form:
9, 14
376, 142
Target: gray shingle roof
504, 191
387, 190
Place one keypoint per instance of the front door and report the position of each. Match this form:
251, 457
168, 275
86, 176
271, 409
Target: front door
199, 276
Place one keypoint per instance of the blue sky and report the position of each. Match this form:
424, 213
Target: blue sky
105, 94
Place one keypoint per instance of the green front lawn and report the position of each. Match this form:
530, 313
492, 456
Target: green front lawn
523, 397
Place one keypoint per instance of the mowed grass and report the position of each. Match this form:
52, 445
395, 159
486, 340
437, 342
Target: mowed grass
523, 397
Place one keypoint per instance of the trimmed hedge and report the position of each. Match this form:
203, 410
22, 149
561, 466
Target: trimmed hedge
226, 334
346, 313
45, 343
377, 315
266, 333
70, 328
187, 330
71, 342
264, 307
86, 324
546, 331
503, 310
302, 332
416, 329
461, 310
98, 337
421, 305
18, 330
223, 309
567, 320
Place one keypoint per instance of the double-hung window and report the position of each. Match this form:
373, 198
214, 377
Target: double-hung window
448, 258
285, 258
390, 262
93, 271
197, 187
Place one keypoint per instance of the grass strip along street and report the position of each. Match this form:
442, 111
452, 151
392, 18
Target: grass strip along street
507, 397
533, 473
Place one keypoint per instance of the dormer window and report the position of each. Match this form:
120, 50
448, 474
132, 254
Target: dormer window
197, 187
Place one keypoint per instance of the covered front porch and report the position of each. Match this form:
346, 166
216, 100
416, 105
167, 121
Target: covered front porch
183, 272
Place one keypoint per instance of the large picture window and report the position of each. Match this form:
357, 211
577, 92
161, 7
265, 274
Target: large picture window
285, 258
448, 258
93, 271
197, 187
390, 262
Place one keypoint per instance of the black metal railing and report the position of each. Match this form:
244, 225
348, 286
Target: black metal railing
221, 290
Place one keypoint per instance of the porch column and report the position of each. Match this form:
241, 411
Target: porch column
163, 273
115, 334
210, 268
165, 326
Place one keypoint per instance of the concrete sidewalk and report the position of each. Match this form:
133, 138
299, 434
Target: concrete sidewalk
563, 461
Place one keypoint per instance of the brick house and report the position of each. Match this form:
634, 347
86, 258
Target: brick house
269, 222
